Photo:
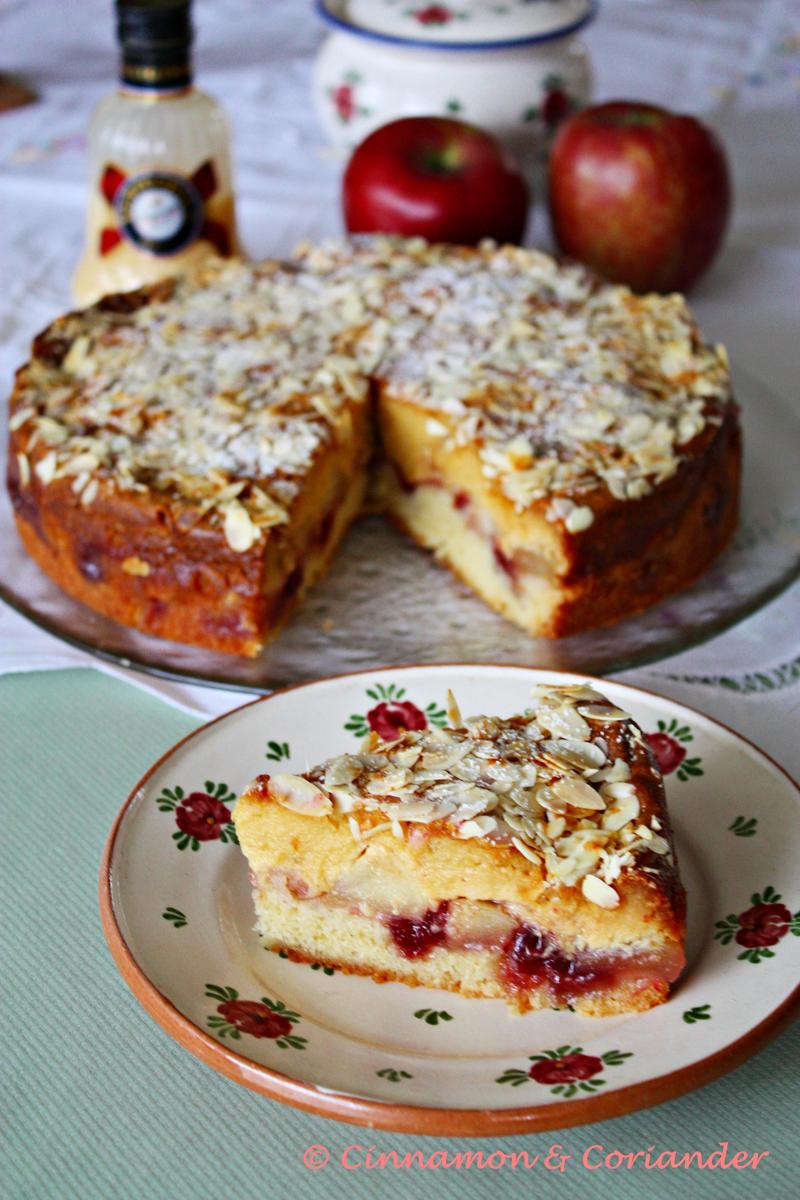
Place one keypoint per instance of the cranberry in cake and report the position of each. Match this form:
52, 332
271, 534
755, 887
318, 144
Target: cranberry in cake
528, 858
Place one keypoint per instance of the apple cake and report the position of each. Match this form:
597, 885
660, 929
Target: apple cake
527, 858
186, 458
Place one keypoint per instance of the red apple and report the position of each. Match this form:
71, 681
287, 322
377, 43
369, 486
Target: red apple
640, 194
436, 178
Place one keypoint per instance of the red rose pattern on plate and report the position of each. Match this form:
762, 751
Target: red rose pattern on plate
264, 1018
566, 1071
759, 927
668, 745
392, 715
200, 816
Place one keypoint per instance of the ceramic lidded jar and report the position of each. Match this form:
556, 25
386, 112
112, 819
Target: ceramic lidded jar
515, 68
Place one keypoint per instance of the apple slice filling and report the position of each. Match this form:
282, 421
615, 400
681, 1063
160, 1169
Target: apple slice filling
528, 958
518, 566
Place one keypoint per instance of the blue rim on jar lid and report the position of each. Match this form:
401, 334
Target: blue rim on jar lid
461, 25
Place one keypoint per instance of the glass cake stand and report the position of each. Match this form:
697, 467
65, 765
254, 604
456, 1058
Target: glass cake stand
385, 602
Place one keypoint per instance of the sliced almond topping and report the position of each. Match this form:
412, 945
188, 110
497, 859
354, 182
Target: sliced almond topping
555, 798
46, 467
344, 799
417, 810
579, 519
81, 463
550, 799
561, 720
18, 419
453, 711
300, 795
658, 844
603, 712
575, 791
90, 492
240, 532
618, 772
443, 756
355, 829
525, 850
407, 756
135, 566
476, 828
77, 361
574, 752
52, 431
623, 807
343, 769
24, 468
598, 892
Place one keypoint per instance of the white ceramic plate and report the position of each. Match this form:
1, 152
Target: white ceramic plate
177, 912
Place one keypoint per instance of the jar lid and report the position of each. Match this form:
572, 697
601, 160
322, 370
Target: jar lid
459, 24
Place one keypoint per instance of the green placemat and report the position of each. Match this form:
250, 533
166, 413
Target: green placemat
100, 1103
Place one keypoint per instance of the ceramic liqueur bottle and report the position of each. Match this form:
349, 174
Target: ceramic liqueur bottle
160, 177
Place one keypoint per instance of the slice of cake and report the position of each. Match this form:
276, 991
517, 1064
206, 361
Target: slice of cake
528, 858
187, 457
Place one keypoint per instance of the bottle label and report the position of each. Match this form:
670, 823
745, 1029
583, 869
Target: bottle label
159, 212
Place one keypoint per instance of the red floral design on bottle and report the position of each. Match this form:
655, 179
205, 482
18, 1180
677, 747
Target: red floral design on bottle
668, 745
264, 1018
200, 816
566, 1071
392, 715
759, 927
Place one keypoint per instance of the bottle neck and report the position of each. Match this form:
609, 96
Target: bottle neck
152, 78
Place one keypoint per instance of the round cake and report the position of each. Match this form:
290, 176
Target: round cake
187, 457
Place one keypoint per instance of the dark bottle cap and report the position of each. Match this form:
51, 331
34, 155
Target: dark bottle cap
155, 36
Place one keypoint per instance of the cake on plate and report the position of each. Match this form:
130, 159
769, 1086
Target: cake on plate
187, 457
528, 858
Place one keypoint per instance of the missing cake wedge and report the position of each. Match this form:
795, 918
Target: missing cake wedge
527, 858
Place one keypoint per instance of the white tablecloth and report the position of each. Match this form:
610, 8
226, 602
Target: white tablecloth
736, 63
